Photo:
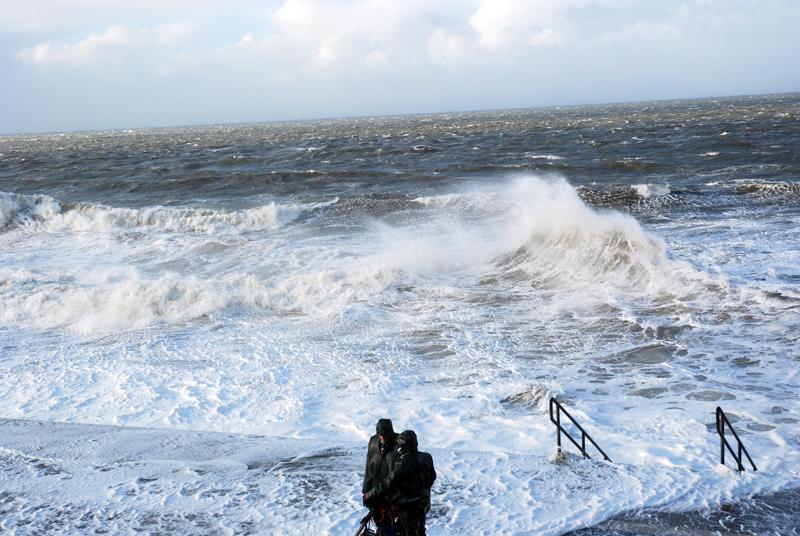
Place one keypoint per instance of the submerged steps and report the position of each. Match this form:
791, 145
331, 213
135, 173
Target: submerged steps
722, 424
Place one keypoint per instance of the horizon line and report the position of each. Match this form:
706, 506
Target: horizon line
397, 115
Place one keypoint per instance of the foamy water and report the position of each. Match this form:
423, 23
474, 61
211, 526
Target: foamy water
309, 307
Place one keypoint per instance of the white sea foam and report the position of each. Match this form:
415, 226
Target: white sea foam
171, 480
647, 191
98, 218
544, 228
112, 301
544, 156
48, 214
15, 208
444, 199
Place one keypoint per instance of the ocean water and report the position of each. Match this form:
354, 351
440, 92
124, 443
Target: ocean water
450, 271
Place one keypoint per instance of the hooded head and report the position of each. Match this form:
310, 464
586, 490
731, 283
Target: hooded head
407, 442
384, 428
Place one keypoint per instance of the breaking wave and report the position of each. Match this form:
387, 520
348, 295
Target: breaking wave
639, 196
536, 235
17, 209
651, 190
769, 189
113, 303
542, 231
45, 213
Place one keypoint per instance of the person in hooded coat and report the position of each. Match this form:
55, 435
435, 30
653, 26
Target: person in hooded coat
408, 486
381, 457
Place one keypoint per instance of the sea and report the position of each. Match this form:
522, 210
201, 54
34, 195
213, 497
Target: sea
200, 326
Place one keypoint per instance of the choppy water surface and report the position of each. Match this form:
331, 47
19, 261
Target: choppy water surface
451, 271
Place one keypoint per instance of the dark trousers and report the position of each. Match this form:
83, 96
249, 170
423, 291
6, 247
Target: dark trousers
411, 521
383, 521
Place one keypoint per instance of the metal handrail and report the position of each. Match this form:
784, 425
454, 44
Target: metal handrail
584, 436
363, 529
721, 421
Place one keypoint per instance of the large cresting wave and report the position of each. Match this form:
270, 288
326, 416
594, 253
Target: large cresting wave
539, 232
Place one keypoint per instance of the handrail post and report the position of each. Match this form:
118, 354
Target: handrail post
739, 458
558, 427
721, 433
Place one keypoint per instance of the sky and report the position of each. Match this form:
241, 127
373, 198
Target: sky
100, 64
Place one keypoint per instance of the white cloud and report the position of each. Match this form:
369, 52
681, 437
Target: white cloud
546, 38
329, 53
323, 37
336, 36
445, 48
535, 22
495, 21
376, 58
95, 45
639, 31
247, 40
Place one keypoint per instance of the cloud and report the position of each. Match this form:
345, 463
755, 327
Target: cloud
327, 37
640, 31
323, 37
115, 38
446, 48
537, 23
376, 58
546, 38
496, 21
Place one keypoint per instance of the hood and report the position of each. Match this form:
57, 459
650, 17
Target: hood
384, 428
407, 441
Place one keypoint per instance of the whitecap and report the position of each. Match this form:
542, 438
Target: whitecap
544, 156
651, 190
19, 209
45, 213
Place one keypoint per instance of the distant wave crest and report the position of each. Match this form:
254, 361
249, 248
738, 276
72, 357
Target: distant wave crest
769, 189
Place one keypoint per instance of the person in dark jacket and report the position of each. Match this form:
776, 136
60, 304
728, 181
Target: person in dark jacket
426, 462
381, 457
408, 486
